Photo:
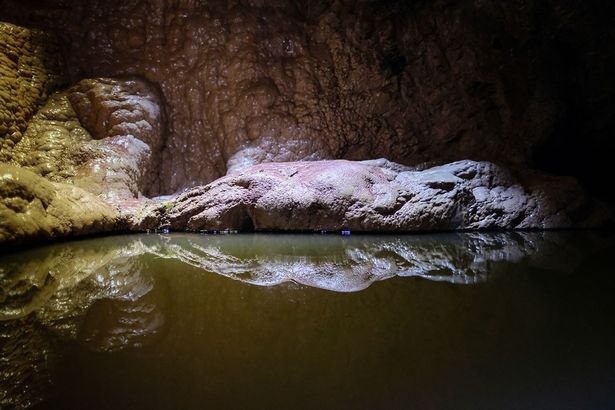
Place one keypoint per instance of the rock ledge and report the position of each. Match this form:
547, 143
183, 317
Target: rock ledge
359, 196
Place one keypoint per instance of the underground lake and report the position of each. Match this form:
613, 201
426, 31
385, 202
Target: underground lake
502, 320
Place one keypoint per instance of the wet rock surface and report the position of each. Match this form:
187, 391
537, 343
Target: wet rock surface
123, 113
33, 208
30, 70
337, 195
93, 177
102, 135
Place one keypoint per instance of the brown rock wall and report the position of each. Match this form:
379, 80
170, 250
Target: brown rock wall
245, 82
30, 69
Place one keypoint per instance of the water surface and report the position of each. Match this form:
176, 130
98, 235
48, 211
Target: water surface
495, 320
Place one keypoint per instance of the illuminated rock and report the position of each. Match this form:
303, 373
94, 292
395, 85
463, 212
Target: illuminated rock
336, 195
30, 70
97, 178
33, 208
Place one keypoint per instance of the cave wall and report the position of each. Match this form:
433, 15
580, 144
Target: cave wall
31, 68
243, 82
72, 161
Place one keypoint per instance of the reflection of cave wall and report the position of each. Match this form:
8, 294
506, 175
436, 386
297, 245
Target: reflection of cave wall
26, 355
251, 81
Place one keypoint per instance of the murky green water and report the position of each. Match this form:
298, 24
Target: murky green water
442, 321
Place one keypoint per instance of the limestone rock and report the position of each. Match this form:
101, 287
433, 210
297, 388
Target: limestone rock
59, 156
30, 69
120, 110
334, 195
120, 161
74, 161
33, 208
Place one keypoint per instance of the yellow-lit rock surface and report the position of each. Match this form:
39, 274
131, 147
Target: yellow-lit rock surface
30, 69
39, 158
70, 160
108, 154
33, 208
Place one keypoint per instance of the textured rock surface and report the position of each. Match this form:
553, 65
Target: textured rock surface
334, 195
253, 81
203, 90
30, 69
33, 208
114, 153
114, 168
118, 112
96, 144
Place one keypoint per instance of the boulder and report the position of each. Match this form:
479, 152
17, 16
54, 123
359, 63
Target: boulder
357, 196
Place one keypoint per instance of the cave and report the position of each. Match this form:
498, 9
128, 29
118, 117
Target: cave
274, 171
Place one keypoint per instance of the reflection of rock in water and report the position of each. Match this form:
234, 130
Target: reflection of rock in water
108, 294
24, 372
352, 264
100, 292
30, 278
99, 295
117, 307
63, 281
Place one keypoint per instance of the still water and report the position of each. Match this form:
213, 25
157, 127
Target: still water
182, 321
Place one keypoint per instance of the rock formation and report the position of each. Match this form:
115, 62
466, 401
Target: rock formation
121, 102
74, 161
30, 69
337, 195
34, 209
96, 135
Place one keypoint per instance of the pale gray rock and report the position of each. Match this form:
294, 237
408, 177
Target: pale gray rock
126, 115
359, 196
